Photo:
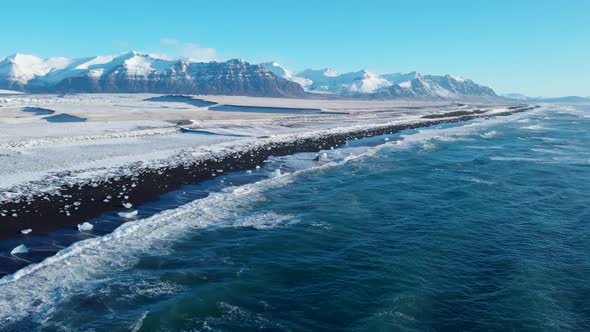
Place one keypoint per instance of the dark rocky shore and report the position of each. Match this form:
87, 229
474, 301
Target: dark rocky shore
77, 204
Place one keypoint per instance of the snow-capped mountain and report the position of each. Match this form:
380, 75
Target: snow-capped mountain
432, 86
329, 81
281, 71
18, 69
406, 85
135, 72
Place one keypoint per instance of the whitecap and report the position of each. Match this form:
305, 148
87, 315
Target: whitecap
264, 220
489, 134
535, 127
497, 158
478, 180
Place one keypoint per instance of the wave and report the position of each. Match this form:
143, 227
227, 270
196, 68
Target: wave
535, 127
478, 180
39, 288
489, 134
497, 158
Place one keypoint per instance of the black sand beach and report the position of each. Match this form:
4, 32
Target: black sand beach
77, 204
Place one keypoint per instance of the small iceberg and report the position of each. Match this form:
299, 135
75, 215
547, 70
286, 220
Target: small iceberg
127, 215
127, 205
321, 156
85, 227
21, 249
26, 231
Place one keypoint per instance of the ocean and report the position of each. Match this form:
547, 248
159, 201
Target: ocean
481, 225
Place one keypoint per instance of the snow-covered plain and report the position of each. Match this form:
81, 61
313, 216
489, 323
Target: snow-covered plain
118, 133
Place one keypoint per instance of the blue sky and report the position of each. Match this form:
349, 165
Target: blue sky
537, 47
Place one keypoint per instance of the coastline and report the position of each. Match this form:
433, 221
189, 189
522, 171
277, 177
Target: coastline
75, 204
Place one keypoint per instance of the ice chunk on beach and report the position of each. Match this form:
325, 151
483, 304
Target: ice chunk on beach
276, 173
21, 249
127, 215
85, 227
26, 231
127, 205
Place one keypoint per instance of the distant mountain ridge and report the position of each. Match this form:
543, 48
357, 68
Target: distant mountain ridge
133, 72
565, 99
397, 85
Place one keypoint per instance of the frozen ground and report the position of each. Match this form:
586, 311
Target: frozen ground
50, 140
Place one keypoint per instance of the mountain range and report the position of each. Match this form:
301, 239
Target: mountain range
135, 72
564, 99
397, 85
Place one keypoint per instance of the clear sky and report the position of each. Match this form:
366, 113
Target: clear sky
536, 47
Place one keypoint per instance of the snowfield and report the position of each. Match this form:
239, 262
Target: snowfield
115, 134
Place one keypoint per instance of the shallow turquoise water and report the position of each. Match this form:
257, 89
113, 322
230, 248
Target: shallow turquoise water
477, 226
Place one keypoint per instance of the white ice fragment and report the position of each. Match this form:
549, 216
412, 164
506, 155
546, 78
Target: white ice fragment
321, 156
127, 215
15, 215
85, 227
386, 139
127, 205
249, 171
77, 203
257, 167
26, 231
276, 173
21, 249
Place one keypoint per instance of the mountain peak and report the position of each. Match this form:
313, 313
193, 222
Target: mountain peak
23, 58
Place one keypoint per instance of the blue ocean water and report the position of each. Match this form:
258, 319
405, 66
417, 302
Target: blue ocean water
482, 225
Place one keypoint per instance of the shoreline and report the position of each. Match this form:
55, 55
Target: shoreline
75, 204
